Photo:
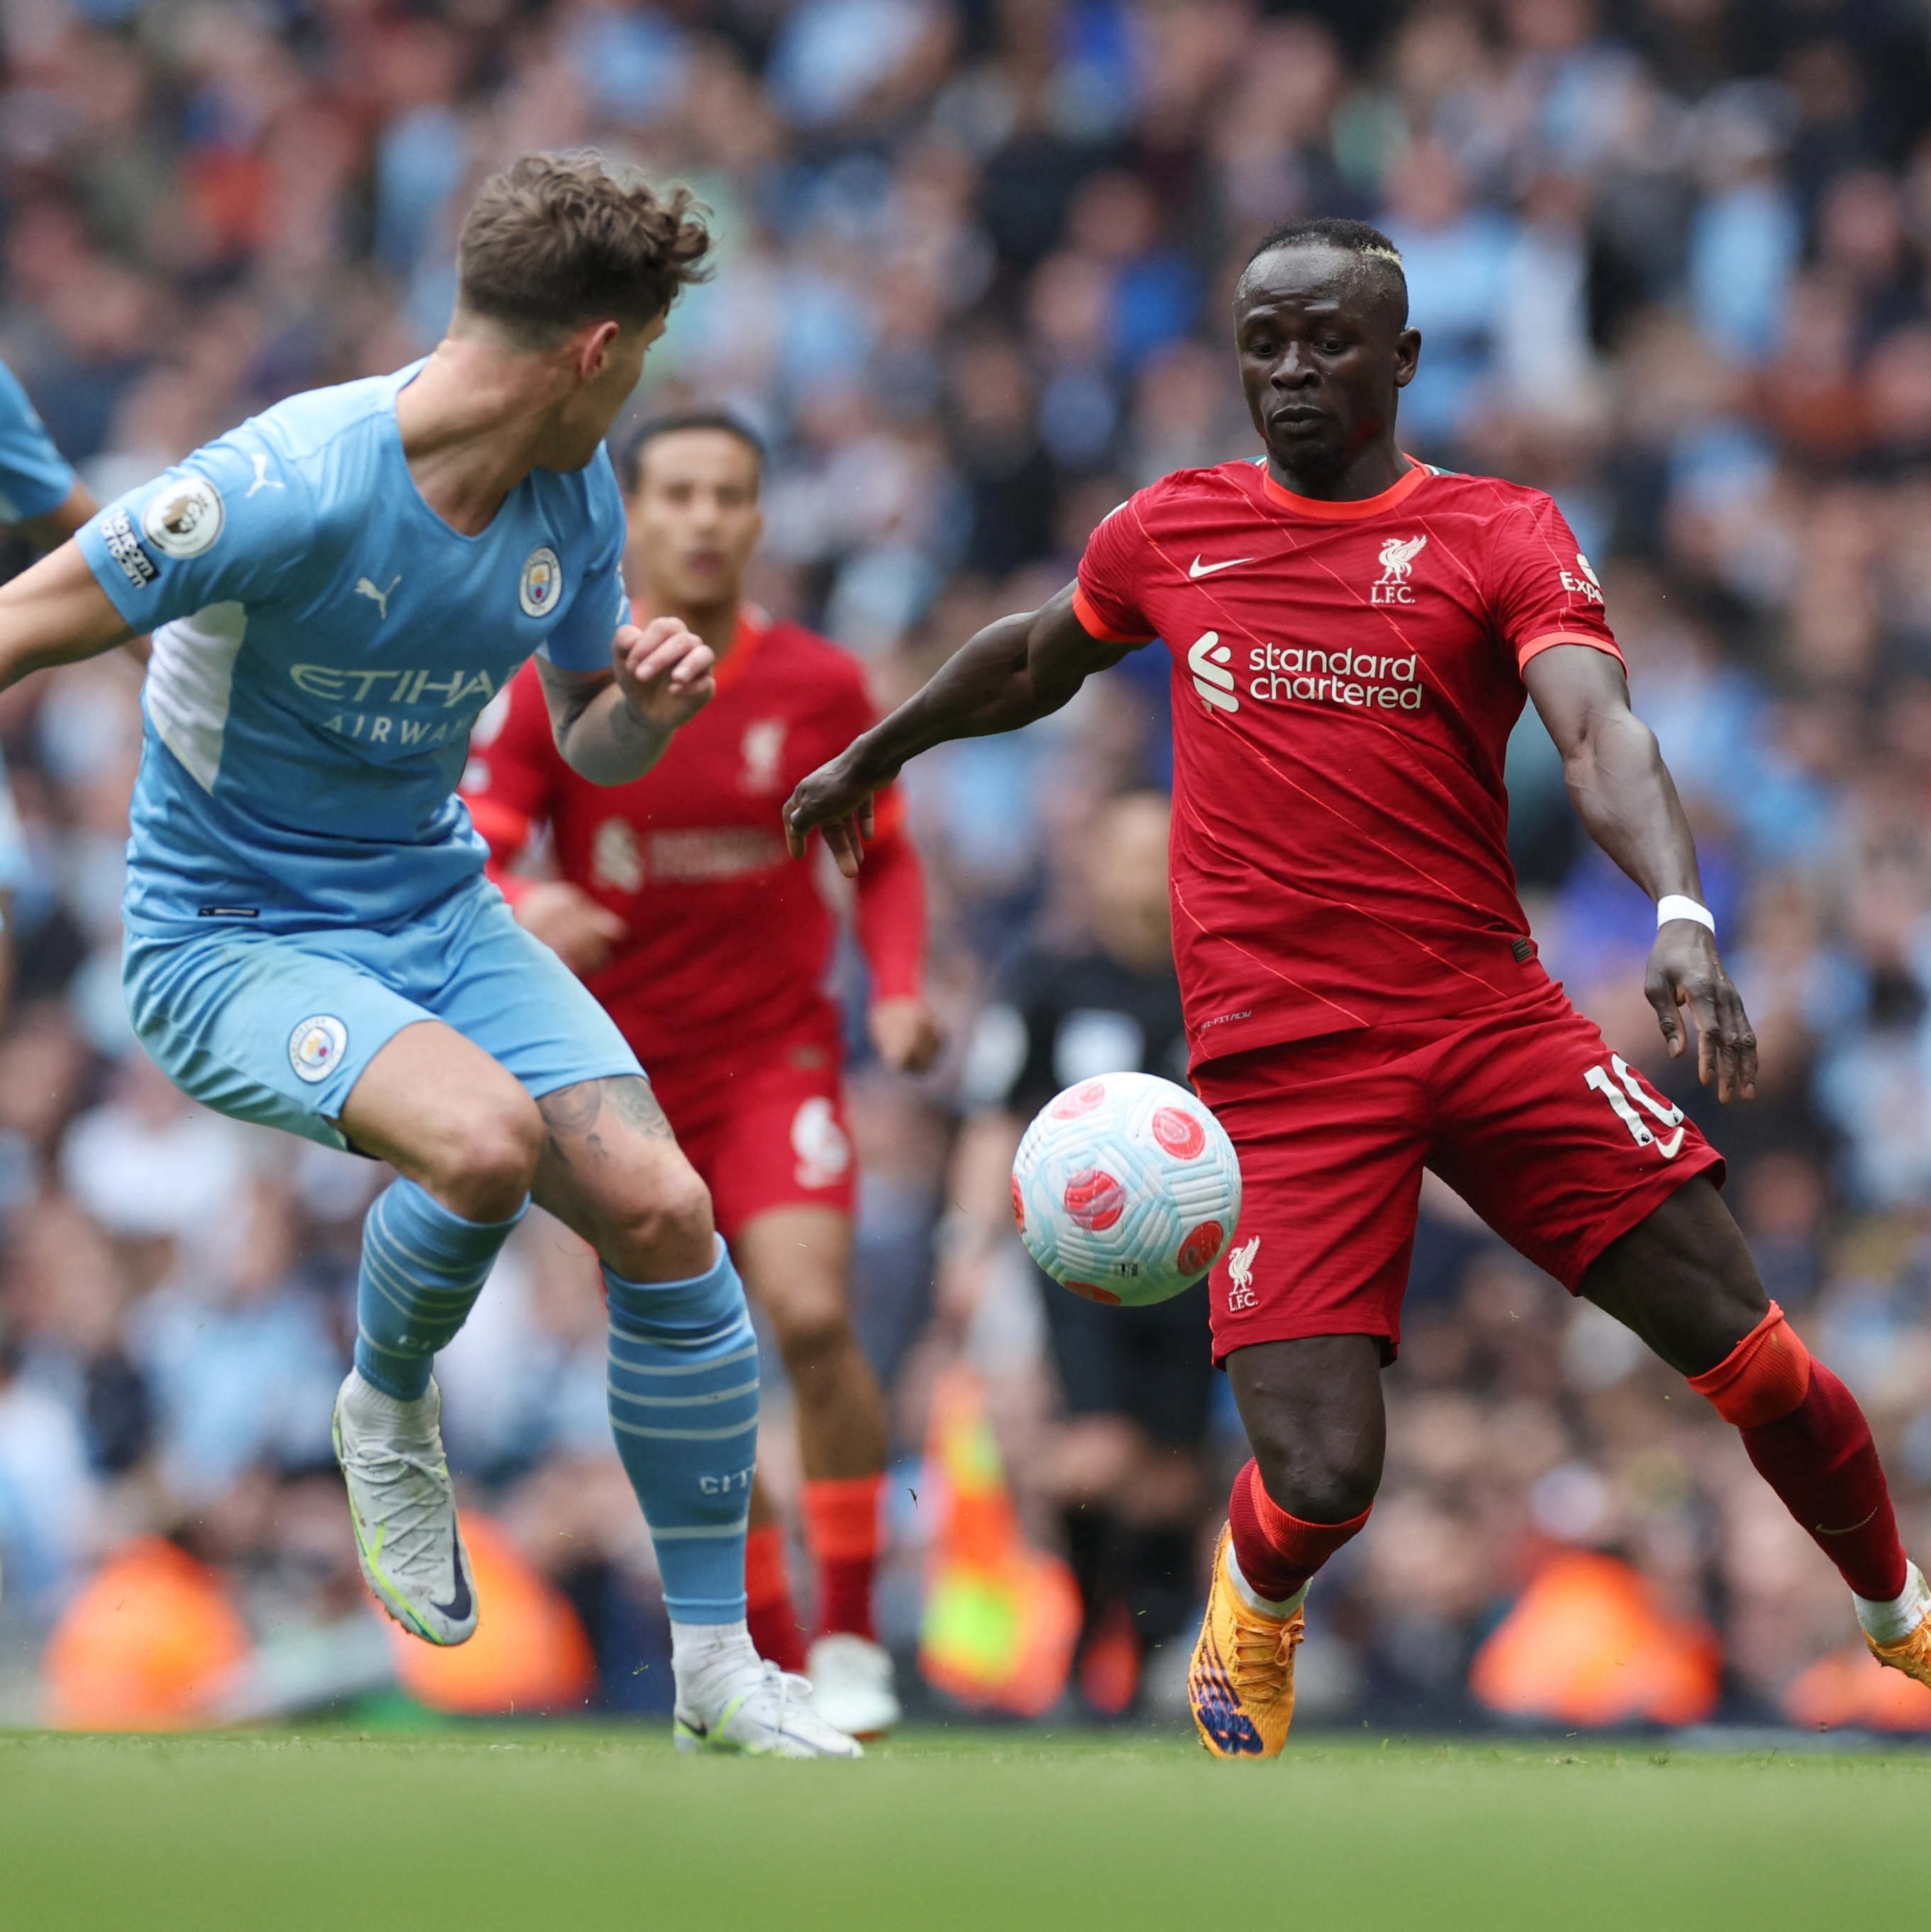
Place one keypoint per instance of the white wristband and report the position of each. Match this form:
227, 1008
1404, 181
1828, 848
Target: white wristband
1675, 905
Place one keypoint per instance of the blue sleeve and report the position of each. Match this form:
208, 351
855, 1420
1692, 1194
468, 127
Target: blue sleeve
34, 477
232, 523
581, 640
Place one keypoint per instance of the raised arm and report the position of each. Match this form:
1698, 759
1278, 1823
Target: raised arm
612, 726
55, 614
1013, 671
1623, 794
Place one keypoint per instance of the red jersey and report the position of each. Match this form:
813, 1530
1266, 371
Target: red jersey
727, 937
1345, 678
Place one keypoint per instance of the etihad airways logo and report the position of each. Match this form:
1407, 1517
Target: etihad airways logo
1398, 561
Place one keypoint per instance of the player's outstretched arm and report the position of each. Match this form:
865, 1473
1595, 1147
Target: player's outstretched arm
1623, 793
613, 726
55, 614
1013, 671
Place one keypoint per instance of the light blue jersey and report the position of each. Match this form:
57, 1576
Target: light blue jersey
323, 643
34, 477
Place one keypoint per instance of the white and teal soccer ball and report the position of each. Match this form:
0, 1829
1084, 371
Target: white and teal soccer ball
1125, 1189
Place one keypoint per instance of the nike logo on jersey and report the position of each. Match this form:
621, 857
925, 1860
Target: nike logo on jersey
380, 598
1196, 568
263, 481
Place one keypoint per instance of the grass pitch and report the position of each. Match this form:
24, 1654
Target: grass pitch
552, 1829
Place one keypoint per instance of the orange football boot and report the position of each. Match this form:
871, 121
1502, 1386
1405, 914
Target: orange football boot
1240, 1684
1911, 1655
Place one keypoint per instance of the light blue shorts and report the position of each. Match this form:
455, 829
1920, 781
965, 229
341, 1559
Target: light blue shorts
276, 1027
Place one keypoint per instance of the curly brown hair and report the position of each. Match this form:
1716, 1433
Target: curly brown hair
558, 240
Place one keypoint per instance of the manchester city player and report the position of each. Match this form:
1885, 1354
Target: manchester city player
40, 494
336, 589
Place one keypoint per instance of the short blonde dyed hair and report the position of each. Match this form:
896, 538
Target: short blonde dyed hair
558, 240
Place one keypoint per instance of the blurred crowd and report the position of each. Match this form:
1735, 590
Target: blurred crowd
1672, 260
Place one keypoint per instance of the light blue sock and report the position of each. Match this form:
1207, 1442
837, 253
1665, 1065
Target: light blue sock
683, 1393
422, 1269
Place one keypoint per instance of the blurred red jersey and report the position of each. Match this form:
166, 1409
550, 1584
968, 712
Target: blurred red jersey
1345, 678
727, 937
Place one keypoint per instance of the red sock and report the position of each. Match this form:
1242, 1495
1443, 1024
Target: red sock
776, 1631
841, 1532
1821, 1460
1278, 1552
1809, 1439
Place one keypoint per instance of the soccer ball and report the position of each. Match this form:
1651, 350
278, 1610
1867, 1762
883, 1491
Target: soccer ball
1125, 1189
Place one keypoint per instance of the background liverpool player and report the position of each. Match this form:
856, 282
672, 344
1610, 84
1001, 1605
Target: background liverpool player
1362, 997
676, 905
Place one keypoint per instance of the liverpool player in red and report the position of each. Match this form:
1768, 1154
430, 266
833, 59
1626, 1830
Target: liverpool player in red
676, 903
1354, 633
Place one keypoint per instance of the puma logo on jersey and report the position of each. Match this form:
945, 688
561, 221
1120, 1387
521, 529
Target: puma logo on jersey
263, 481
1196, 568
1208, 658
380, 598
1240, 1275
1398, 561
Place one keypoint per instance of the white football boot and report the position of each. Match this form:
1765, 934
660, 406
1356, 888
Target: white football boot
732, 1699
851, 1686
404, 1509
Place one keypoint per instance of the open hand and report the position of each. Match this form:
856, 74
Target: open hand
1686, 976
664, 670
838, 799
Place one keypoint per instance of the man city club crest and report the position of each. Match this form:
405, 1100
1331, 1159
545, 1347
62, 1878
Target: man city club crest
316, 1047
541, 589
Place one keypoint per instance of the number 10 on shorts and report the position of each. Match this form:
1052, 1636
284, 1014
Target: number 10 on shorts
1633, 1089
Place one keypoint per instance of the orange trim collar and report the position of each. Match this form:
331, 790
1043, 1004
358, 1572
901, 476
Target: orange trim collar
1322, 511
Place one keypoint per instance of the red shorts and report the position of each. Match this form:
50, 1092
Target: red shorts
1556, 1142
764, 1133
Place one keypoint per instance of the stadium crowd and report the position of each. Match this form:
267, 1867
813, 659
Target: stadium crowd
1672, 261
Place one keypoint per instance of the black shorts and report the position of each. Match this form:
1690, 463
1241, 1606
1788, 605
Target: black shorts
1155, 1365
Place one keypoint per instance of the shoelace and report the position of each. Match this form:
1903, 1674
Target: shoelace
1262, 1655
408, 1479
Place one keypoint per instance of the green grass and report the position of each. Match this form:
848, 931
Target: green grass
559, 1828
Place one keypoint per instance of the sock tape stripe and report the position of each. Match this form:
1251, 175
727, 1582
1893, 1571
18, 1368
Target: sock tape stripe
688, 1434
716, 1337
384, 1271
681, 1401
705, 1531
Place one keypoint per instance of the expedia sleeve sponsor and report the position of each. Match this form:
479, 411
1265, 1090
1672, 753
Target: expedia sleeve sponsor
117, 532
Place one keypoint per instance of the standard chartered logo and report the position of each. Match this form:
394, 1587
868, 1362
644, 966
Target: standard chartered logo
1208, 658
1359, 680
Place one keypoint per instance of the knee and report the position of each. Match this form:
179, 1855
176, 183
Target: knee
810, 1329
483, 1163
669, 1236
1319, 1478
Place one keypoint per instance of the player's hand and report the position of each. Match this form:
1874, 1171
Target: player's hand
1686, 977
906, 1033
665, 670
579, 931
836, 799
